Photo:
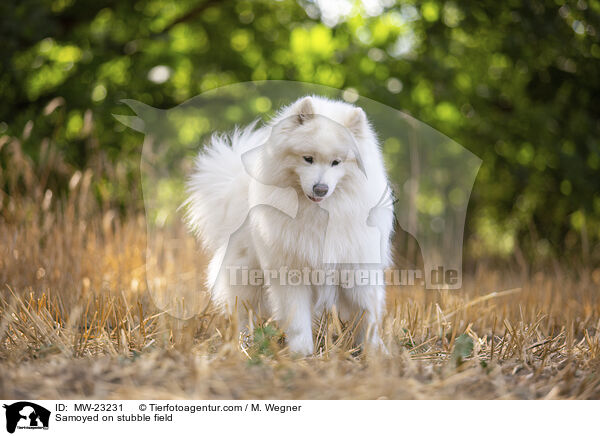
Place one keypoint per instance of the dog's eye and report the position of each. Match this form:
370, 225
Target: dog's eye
335, 162
308, 159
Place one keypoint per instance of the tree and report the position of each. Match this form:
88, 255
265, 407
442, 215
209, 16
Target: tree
516, 83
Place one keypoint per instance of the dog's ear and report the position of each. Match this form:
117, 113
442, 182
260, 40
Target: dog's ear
304, 110
356, 122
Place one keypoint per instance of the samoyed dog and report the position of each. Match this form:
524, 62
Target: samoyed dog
291, 210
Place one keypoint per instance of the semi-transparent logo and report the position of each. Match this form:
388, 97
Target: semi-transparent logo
428, 186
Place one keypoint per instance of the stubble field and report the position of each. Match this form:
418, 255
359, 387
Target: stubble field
77, 321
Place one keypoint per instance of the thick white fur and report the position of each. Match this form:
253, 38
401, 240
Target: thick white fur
223, 189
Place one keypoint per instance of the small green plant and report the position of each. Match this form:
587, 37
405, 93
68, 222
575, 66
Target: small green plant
266, 338
463, 347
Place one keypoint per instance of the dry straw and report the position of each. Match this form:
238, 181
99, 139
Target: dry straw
76, 321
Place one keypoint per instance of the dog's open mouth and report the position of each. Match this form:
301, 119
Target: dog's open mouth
316, 200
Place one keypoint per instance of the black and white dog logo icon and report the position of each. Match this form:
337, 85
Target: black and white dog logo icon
26, 415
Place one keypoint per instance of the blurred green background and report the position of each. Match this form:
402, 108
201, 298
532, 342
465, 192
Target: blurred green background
516, 83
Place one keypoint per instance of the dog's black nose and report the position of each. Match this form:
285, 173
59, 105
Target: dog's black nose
320, 189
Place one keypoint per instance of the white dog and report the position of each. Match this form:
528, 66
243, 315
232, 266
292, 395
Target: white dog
302, 194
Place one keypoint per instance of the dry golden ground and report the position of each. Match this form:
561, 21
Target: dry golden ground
76, 321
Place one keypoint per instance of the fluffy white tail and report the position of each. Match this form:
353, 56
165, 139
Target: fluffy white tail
217, 190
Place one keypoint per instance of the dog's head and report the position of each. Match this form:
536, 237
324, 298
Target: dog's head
314, 145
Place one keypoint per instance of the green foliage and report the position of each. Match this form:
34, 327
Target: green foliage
463, 347
514, 82
265, 343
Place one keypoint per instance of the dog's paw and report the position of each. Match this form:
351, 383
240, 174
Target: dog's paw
376, 345
373, 345
300, 345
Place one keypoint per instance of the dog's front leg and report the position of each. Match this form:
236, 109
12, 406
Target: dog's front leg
292, 308
366, 303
